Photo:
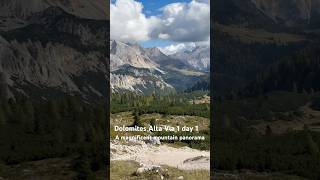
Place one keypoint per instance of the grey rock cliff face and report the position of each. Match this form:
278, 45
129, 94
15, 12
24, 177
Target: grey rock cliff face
198, 58
56, 52
122, 53
289, 12
132, 69
48, 65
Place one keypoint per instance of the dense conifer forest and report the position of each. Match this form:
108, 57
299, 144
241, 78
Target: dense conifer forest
174, 104
65, 127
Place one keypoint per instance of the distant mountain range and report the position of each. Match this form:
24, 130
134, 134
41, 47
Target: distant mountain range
198, 58
148, 70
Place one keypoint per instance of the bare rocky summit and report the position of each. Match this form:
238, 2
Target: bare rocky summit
133, 70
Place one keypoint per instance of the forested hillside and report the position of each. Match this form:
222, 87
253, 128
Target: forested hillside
61, 128
298, 72
266, 90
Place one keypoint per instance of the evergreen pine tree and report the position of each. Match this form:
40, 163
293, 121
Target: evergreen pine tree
136, 119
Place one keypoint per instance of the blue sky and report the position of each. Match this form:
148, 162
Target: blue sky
156, 43
151, 7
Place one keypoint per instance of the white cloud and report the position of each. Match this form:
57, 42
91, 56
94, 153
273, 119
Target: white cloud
128, 23
174, 48
185, 22
179, 47
204, 1
164, 36
179, 22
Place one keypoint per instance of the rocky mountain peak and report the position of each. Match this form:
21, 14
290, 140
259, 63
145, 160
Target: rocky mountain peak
130, 54
198, 58
155, 51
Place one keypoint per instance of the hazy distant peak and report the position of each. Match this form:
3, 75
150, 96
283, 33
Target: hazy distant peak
198, 57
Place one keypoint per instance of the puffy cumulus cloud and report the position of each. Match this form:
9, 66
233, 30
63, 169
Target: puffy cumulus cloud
185, 22
128, 23
179, 22
174, 48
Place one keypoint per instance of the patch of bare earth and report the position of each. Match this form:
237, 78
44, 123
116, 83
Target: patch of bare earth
184, 158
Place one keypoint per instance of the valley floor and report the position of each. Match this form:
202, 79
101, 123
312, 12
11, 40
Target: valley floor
173, 159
